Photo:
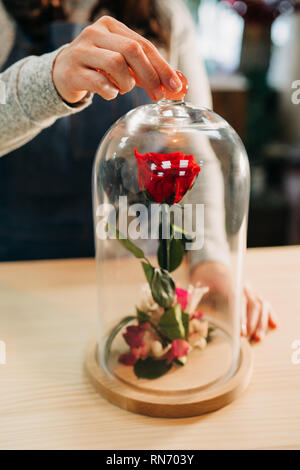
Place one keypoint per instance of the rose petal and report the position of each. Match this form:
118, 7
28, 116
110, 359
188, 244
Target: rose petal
166, 177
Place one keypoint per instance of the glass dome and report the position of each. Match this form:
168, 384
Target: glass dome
171, 191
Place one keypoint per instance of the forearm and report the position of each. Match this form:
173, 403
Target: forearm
31, 101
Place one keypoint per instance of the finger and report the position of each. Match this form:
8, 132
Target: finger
253, 313
273, 319
262, 325
132, 53
135, 58
96, 82
167, 75
114, 67
244, 317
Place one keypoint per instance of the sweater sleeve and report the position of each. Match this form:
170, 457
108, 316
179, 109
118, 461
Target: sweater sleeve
29, 101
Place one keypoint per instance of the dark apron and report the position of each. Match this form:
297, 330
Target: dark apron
45, 186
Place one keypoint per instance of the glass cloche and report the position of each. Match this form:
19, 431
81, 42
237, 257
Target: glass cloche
171, 191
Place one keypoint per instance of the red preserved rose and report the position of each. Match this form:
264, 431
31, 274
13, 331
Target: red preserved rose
166, 177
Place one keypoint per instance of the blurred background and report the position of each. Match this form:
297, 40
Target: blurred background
251, 50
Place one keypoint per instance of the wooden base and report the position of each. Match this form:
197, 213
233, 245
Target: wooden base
174, 405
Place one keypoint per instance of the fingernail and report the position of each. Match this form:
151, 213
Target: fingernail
175, 85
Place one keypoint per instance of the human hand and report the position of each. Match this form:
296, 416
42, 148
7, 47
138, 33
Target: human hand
108, 46
257, 315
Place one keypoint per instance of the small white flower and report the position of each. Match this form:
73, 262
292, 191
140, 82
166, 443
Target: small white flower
148, 304
201, 343
195, 296
157, 349
197, 341
199, 326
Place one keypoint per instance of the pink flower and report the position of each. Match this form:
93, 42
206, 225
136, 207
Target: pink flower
182, 297
139, 338
128, 359
197, 315
179, 348
134, 335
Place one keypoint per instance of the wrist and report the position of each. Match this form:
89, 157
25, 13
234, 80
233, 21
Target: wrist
60, 83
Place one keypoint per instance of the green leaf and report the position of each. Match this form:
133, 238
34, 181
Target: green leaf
126, 243
171, 323
176, 254
142, 316
185, 321
148, 270
114, 333
162, 288
151, 368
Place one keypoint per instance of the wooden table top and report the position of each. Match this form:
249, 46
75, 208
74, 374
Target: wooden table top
48, 314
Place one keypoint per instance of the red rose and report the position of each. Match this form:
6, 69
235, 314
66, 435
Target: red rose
166, 176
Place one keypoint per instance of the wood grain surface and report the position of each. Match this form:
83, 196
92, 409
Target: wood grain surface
47, 316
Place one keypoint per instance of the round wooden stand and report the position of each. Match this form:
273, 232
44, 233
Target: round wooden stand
181, 404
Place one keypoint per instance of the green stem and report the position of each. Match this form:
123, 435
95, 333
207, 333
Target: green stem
147, 261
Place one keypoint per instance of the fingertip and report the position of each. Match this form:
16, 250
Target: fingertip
259, 336
273, 324
175, 84
109, 92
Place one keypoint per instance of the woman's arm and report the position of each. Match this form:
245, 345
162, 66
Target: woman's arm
7, 34
41, 89
31, 102
28, 101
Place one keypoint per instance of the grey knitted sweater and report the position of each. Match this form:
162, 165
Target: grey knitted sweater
29, 101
